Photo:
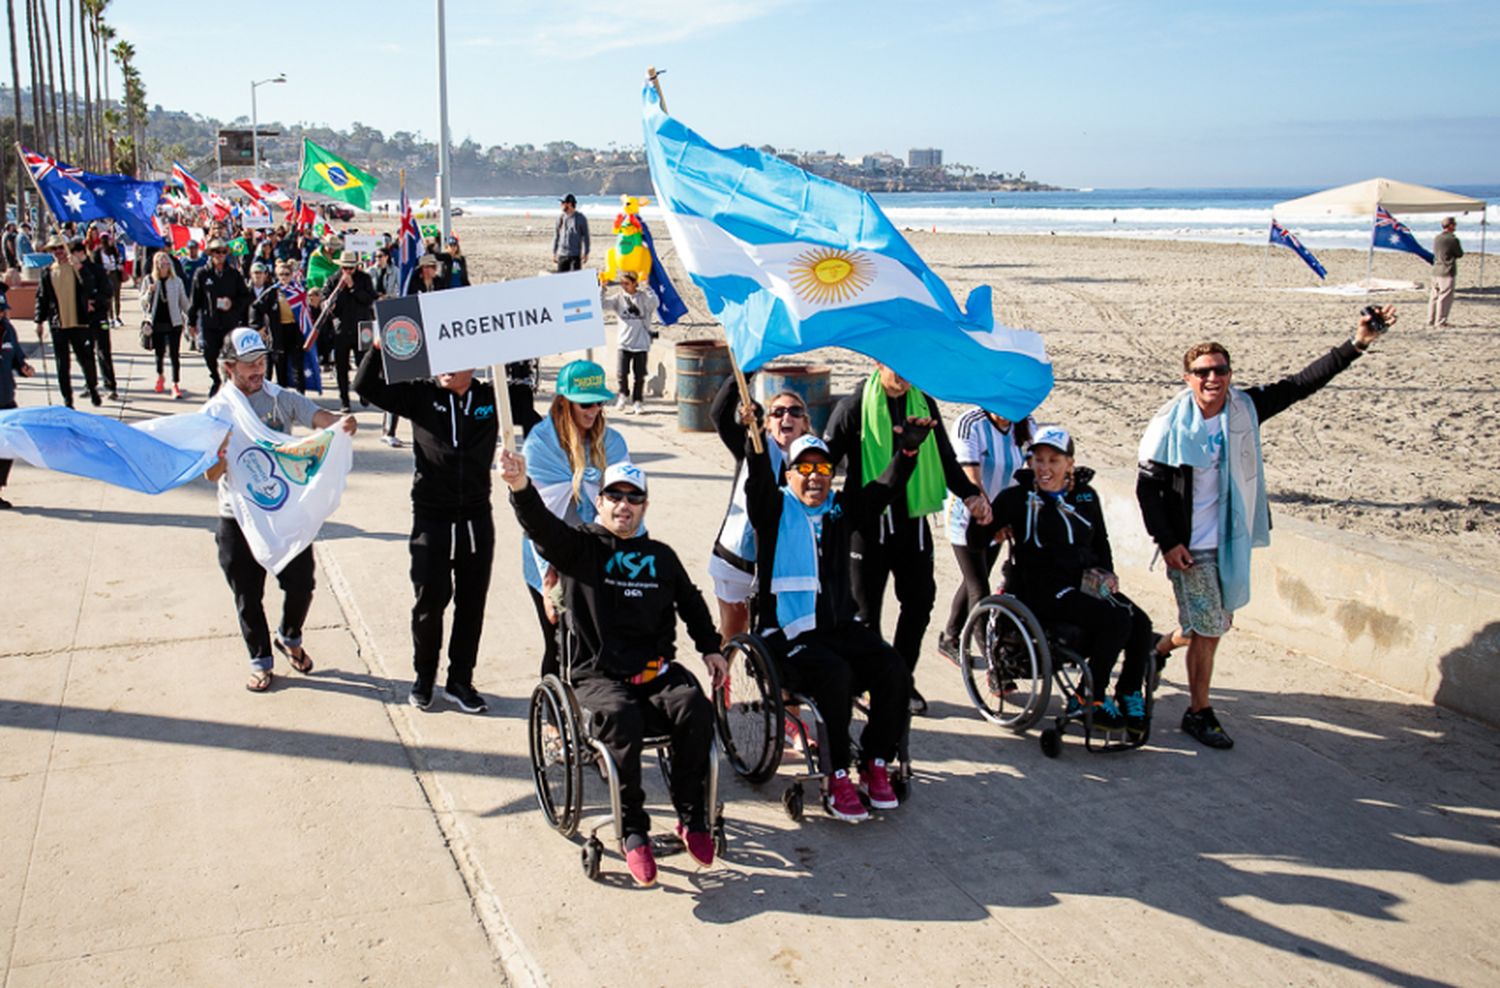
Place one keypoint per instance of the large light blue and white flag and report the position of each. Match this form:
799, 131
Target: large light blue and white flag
281, 489
790, 262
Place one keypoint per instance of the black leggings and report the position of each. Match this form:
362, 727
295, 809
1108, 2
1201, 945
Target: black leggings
165, 341
975, 566
835, 666
1107, 626
551, 654
632, 360
80, 342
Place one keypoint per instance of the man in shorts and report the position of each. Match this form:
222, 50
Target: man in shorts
1201, 488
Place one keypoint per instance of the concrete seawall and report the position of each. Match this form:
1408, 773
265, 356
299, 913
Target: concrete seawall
1404, 618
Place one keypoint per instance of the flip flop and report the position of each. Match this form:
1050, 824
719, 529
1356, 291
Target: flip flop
259, 681
302, 663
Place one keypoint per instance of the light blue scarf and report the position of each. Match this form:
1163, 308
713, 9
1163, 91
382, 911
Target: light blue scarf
794, 571
1178, 436
547, 466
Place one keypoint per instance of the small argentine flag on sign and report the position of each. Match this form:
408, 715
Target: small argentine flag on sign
578, 310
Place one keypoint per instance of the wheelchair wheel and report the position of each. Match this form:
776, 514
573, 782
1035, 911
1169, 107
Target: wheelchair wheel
556, 755
747, 710
792, 800
590, 856
1051, 742
1006, 664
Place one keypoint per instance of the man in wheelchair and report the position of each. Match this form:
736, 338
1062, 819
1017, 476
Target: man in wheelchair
1062, 568
623, 592
807, 615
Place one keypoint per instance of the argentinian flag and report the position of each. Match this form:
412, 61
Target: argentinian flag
791, 262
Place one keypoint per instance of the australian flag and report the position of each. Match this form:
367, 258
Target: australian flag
1281, 235
670, 306
63, 188
74, 194
132, 203
296, 297
408, 241
1392, 234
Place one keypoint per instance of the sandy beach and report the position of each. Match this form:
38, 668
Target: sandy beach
1398, 447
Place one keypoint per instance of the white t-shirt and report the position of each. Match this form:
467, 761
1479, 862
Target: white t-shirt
1206, 490
976, 442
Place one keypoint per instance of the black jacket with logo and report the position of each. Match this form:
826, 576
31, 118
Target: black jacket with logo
454, 438
623, 595
208, 287
1050, 549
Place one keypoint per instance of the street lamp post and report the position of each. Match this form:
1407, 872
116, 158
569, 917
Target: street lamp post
255, 123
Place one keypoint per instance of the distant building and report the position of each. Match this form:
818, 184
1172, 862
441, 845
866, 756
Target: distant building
880, 162
924, 158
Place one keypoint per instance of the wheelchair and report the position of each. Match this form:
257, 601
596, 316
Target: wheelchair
1011, 665
562, 749
752, 713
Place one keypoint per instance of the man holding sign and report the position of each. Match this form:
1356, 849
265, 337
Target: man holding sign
454, 430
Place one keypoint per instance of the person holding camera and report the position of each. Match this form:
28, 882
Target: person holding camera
1202, 492
635, 307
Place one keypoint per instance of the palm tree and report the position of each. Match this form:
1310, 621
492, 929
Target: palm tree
15, 92
103, 44
62, 78
59, 133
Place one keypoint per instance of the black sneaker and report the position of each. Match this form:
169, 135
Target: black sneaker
94, 399
420, 695
467, 698
1204, 727
1106, 716
948, 648
5, 505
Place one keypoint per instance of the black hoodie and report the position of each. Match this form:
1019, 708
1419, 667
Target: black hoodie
1052, 545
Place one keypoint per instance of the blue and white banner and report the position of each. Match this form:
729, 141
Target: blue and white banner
150, 457
790, 262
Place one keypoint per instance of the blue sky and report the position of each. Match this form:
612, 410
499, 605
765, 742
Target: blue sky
1074, 92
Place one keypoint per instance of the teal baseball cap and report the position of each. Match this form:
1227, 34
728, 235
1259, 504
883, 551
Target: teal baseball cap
582, 381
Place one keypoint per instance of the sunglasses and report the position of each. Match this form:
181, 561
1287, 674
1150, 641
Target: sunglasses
792, 411
1203, 373
808, 469
633, 497
588, 404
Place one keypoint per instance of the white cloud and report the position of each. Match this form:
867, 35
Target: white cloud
596, 27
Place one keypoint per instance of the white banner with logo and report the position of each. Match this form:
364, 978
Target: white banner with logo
281, 488
463, 328
363, 243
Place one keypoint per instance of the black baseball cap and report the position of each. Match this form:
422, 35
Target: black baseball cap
569, 199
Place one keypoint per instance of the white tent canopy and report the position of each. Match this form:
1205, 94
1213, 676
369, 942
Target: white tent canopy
1362, 199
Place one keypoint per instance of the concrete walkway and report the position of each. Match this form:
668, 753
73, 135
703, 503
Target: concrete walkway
161, 825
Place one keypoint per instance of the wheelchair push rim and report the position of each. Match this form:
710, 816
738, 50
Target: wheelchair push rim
556, 755
1005, 663
747, 711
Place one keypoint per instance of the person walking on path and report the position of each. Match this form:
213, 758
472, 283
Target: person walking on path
99, 315
634, 305
732, 564
624, 592
566, 455
1202, 494
1446, 250
243, 355
352, 295
165, 304
454, 429
219, 301
861, 434
62, 302
12, 362
990, 449
570, 241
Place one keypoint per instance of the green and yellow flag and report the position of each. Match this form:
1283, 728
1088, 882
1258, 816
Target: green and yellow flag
327, 174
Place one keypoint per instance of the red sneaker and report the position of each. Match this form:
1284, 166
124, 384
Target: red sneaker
700, 845
642, 864
876, 782
843, 799
161, 384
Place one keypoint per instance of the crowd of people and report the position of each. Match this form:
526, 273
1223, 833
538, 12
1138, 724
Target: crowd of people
799, 559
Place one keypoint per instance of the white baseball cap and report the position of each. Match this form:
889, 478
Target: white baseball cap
624, 473
245, 344
1055, 436
804, 443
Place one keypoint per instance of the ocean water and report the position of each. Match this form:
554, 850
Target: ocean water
1241, 216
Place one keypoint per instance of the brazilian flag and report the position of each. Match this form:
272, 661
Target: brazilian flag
327, 174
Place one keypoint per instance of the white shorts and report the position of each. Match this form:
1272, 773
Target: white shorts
732, 585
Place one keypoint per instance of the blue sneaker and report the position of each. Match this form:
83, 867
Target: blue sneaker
1135, 714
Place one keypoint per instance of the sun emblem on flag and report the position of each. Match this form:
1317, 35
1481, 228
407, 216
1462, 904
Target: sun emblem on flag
829, 275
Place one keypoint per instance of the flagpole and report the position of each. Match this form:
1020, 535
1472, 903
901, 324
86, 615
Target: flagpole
1370, 264
443, 165
1484, 223
20, 156
734, 365
1265, 253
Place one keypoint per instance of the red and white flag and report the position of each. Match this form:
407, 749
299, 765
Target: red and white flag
263, 192
222, 207
190, 185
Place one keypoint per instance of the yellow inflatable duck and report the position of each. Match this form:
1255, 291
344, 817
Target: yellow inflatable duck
629, 252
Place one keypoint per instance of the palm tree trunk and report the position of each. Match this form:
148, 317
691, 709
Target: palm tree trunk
33, 53
88, 104
59, 139
62, 77
15, 91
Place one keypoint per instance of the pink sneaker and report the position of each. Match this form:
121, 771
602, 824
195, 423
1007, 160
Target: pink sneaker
844, 800
700, 845
161, 384
642, 864
877, 785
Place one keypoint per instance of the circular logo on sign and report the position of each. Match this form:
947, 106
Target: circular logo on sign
401, 338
